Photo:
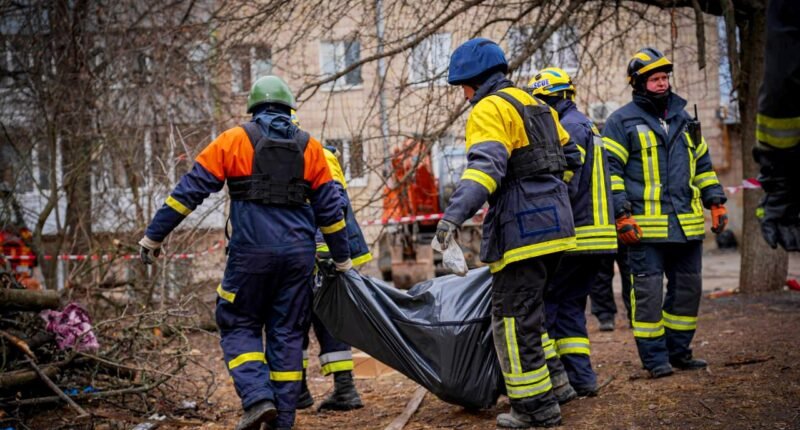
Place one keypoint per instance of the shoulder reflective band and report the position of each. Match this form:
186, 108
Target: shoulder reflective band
616, 149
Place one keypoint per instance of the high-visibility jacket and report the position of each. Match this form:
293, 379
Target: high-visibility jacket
259, 227
590, 188
529, 216
359, 250
665, 176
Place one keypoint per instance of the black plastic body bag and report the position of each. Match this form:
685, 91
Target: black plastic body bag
438, 333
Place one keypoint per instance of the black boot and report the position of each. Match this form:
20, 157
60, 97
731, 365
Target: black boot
688, 363
562, 389
661, 370
607, 325
257, 414
304, 400
550, 417
344, 396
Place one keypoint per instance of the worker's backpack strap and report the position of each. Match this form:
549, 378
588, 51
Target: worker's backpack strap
544, 153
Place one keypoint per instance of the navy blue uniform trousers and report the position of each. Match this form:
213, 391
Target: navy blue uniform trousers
267, 294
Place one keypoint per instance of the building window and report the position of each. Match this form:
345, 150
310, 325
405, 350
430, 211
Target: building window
353, 159
248, 63
429, 60
337, 56
559, 50
24, 166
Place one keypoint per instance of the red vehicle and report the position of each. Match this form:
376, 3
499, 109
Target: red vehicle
406, 256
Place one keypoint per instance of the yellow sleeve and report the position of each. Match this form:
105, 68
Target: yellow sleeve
335, 167
485, 124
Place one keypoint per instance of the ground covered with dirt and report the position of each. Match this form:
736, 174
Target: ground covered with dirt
753, 380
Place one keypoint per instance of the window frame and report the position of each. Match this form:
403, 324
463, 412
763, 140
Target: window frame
433, 75
333, 46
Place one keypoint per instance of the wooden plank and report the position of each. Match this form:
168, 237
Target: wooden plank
410, 409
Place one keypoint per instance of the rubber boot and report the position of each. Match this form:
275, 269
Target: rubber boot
344, 396
562, 388
257, 414
304, 400
550, 417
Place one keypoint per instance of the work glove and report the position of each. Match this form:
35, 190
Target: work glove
149, 250
444, 232
343, 266
719, 218
628, 230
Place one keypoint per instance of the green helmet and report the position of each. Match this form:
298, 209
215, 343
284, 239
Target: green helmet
270, 89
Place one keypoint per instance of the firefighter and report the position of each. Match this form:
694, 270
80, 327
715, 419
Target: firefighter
529, 223
604, 307
336, 357
592, 211
661, 177
281, 189
778, 128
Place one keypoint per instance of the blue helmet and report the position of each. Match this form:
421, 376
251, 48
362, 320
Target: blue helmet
474, 58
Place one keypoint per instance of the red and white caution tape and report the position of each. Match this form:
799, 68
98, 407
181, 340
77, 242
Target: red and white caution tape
410, 219
105, 257
749, 183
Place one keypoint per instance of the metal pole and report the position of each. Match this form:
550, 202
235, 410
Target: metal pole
381, 84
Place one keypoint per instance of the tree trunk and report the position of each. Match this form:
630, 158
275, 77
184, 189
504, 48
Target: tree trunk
762, 268
28, 300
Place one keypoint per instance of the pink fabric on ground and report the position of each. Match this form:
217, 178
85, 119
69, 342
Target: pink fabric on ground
72, 327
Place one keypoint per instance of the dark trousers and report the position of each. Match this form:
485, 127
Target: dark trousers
663, 329
602, 291
334, 355
517, 327
266, 295
565, 307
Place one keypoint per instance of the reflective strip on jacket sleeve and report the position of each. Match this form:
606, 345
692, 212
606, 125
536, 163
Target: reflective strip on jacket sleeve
781, 133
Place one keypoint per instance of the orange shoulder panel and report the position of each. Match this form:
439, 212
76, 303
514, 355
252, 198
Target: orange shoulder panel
229, 155
316, 170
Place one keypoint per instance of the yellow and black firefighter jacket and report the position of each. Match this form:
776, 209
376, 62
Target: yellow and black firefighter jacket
590, 188
529, 214
664, 174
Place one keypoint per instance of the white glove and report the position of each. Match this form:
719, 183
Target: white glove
344, 266
150, 250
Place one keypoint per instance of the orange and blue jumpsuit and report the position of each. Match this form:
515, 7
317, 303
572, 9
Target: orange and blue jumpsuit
267, 283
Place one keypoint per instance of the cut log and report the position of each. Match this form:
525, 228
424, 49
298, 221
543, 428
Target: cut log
28, 300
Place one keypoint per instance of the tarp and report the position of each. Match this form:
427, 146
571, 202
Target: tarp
438, 333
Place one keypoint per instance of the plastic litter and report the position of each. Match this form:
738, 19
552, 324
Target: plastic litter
72, 327
452, 257
438, 333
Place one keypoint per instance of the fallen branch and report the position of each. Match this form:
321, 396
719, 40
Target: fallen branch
411, 407
745, 361
18, 378
86, 396
82, 414
28, 299
19, 343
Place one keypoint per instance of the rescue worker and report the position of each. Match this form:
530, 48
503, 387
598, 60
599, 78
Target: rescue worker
592, 211
778, 128
517, 153
281, 189
335, 357
604, 307
661, 177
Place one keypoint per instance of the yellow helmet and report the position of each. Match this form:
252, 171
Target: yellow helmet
550, 81
645, 62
